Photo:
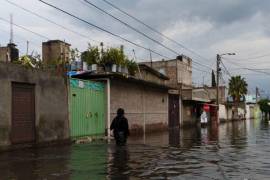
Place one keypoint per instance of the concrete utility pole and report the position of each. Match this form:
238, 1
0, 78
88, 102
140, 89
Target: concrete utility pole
27, 47
217, 88
257, 94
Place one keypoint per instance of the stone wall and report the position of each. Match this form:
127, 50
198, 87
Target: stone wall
143, 105
51, 102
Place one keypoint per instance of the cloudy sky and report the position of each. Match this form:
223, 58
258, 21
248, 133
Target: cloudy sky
206, 27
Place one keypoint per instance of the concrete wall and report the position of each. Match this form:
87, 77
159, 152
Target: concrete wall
179, 71
51, 102
184, 72
142, 104
147, 76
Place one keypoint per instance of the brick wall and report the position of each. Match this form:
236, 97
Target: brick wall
141, 103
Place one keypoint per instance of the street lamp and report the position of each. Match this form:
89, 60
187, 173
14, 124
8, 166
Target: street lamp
218, 71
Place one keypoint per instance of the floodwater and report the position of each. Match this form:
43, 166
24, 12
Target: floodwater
238, 150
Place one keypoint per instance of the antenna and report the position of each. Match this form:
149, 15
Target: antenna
11, 29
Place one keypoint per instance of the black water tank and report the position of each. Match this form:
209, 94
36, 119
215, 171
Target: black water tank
14, 52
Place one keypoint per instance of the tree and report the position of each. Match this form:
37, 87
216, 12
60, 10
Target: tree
214, 84
237, 89
91, 55
75, 54
264, 106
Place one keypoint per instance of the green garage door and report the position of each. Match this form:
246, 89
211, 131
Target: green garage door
87, 108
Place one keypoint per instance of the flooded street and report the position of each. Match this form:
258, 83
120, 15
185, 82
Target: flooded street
238, 150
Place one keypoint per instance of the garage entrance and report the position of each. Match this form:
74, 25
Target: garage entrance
23, 113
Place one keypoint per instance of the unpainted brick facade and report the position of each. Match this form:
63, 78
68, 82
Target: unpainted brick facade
55, 51
145, 106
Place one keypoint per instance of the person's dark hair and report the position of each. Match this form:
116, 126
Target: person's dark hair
120, 112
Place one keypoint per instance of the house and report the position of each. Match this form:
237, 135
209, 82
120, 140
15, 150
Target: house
199, 97
33, 106
144, 97
179, 71
55, 51
9, 53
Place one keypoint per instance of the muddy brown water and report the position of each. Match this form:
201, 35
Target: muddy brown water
238, 150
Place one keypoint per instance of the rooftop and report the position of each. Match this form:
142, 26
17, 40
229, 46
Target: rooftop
119, 76
56, 41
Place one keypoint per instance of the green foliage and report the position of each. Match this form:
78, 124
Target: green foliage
108, 57
91, 55
264, 106
237, 88
74, 54
114, 56
132, 67
27, 61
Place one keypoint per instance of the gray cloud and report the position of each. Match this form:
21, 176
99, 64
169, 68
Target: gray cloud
206, 26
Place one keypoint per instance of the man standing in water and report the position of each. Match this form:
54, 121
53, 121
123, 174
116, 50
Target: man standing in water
120, 127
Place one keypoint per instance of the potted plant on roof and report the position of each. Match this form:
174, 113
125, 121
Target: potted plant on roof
132, 67
111, 58
92, 57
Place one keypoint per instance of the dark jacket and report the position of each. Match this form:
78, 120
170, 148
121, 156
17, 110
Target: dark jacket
120, 124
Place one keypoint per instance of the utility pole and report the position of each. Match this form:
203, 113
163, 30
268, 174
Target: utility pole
27, 47
257, 93
151, 58
218, 71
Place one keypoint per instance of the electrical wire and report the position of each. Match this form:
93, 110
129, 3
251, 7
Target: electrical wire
131, 27
138, 31
26, 29
154, 30
33, 43
246, 68
250, 58
101, 29
51, 21
226, 70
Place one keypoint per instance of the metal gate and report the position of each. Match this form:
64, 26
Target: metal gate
173, 110
87, 108
23, 113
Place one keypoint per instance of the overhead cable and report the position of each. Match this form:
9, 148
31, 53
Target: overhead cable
26, 29
102, 29
140, 32
154, 30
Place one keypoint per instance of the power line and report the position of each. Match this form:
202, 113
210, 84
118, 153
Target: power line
48, 20
140, 32
154, 30
19, 26
246, 68
200, 70
131, 27
52, 22
35, 44
251, 58
226, 70
101, 29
